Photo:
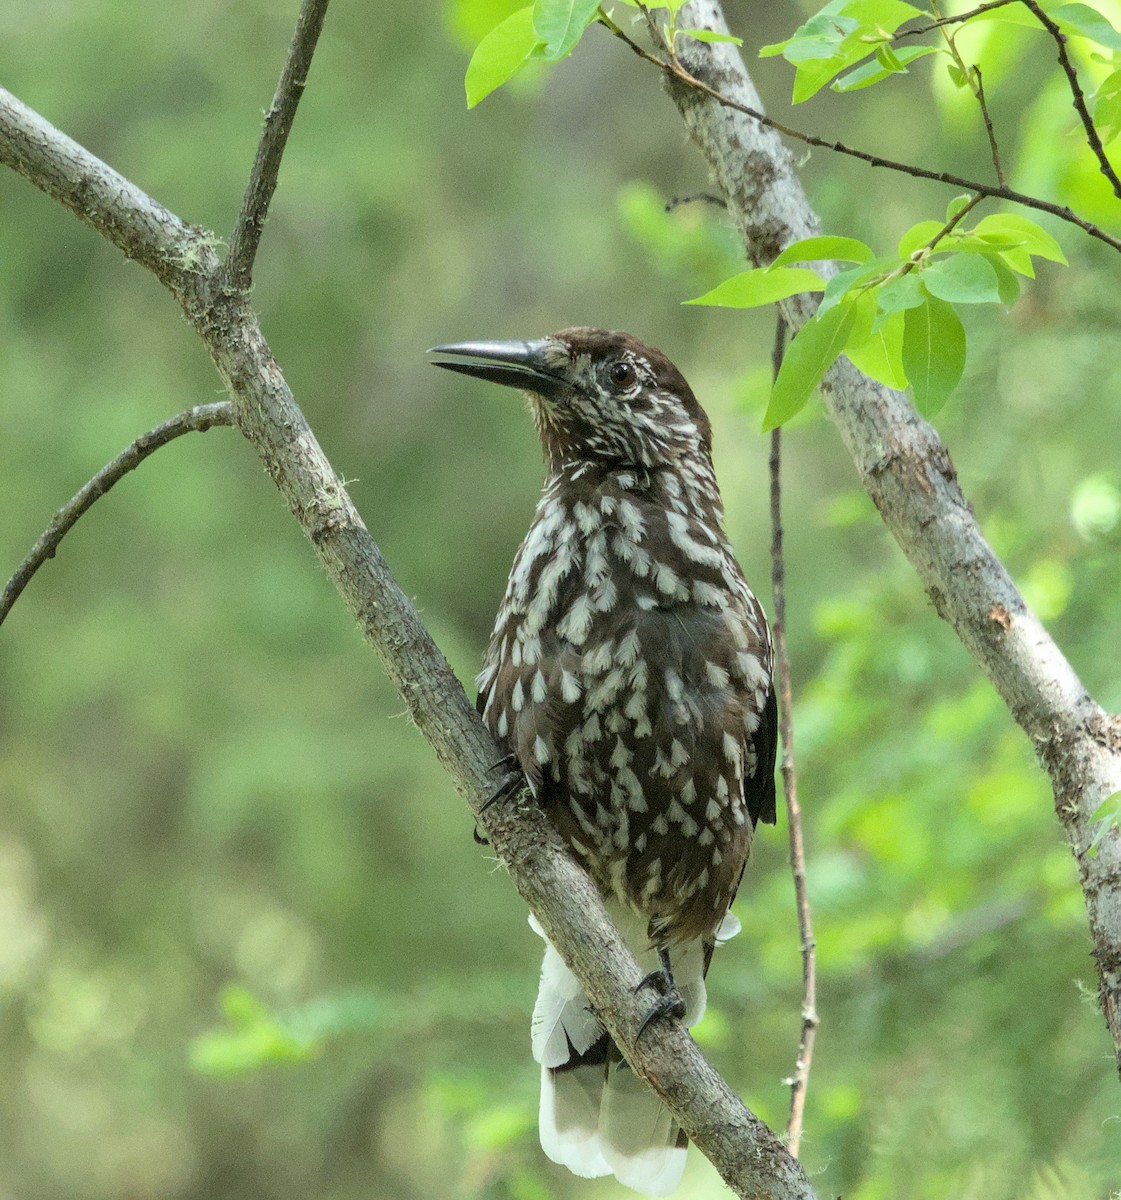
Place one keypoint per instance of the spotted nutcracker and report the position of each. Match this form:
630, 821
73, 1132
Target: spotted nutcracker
629, 676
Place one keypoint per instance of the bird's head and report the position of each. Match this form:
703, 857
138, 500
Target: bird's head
597, 395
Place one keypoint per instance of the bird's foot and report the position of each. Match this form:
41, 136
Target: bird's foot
669, 1002
513, 781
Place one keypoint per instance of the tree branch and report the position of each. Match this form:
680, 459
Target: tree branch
908, 473
750, 1158
799, 1081
675, 70
994, 149
96, 194
957, 19
1093, 139
194, 420
246, 237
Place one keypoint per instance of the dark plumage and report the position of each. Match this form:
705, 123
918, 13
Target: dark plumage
629, 673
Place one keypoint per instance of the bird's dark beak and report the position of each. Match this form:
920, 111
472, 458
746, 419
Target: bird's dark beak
522, 365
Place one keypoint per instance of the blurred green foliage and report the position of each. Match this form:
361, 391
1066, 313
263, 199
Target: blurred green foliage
247, 947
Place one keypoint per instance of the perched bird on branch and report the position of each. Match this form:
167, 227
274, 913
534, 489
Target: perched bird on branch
629, 678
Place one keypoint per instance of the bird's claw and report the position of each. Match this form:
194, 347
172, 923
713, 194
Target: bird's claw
511, 782
669, 1002
669, 1005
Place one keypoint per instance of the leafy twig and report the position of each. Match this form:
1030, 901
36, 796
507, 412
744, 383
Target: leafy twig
946, 229
246, 237
674, 69
972, 76
799, 1081
194, 420
1093, 139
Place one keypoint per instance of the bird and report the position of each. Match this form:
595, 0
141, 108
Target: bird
629, 680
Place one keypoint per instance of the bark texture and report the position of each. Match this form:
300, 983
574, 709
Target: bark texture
907, 471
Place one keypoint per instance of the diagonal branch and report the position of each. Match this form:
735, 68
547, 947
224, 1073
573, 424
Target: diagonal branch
195, 420
908, 473
101, 197
1078, 98
246, 237
750, 1158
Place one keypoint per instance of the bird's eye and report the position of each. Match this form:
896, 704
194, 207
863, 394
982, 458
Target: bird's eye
621, 374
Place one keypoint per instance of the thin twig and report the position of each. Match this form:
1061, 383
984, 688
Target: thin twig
194, 420
946, 229
246, 237
652, 28
799, 1081
1078, 98
696, 198
989, 132
675, 70
972, 76
954, 20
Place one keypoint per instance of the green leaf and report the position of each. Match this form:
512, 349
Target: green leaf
888, 59
1106, 816
1107, 108
764, 285
1020, 261
561, 23
917, 236
710, 35
824, 249
1034, 240
877, 349
956, 205
500, 55
933, 353
811, 77
962, 279
845, 281
902, 292
839, 36
874, 71
1007, 283
471, 20
807, 358
957, 76
1087, 22
819, 37
885, 15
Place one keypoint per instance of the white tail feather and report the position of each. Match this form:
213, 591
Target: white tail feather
600, 1118
639, 1136
562, 1021
569, 1119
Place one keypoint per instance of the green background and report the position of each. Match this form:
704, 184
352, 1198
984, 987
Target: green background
247, 946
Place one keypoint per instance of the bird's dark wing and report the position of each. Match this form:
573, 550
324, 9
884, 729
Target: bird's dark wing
759, 790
